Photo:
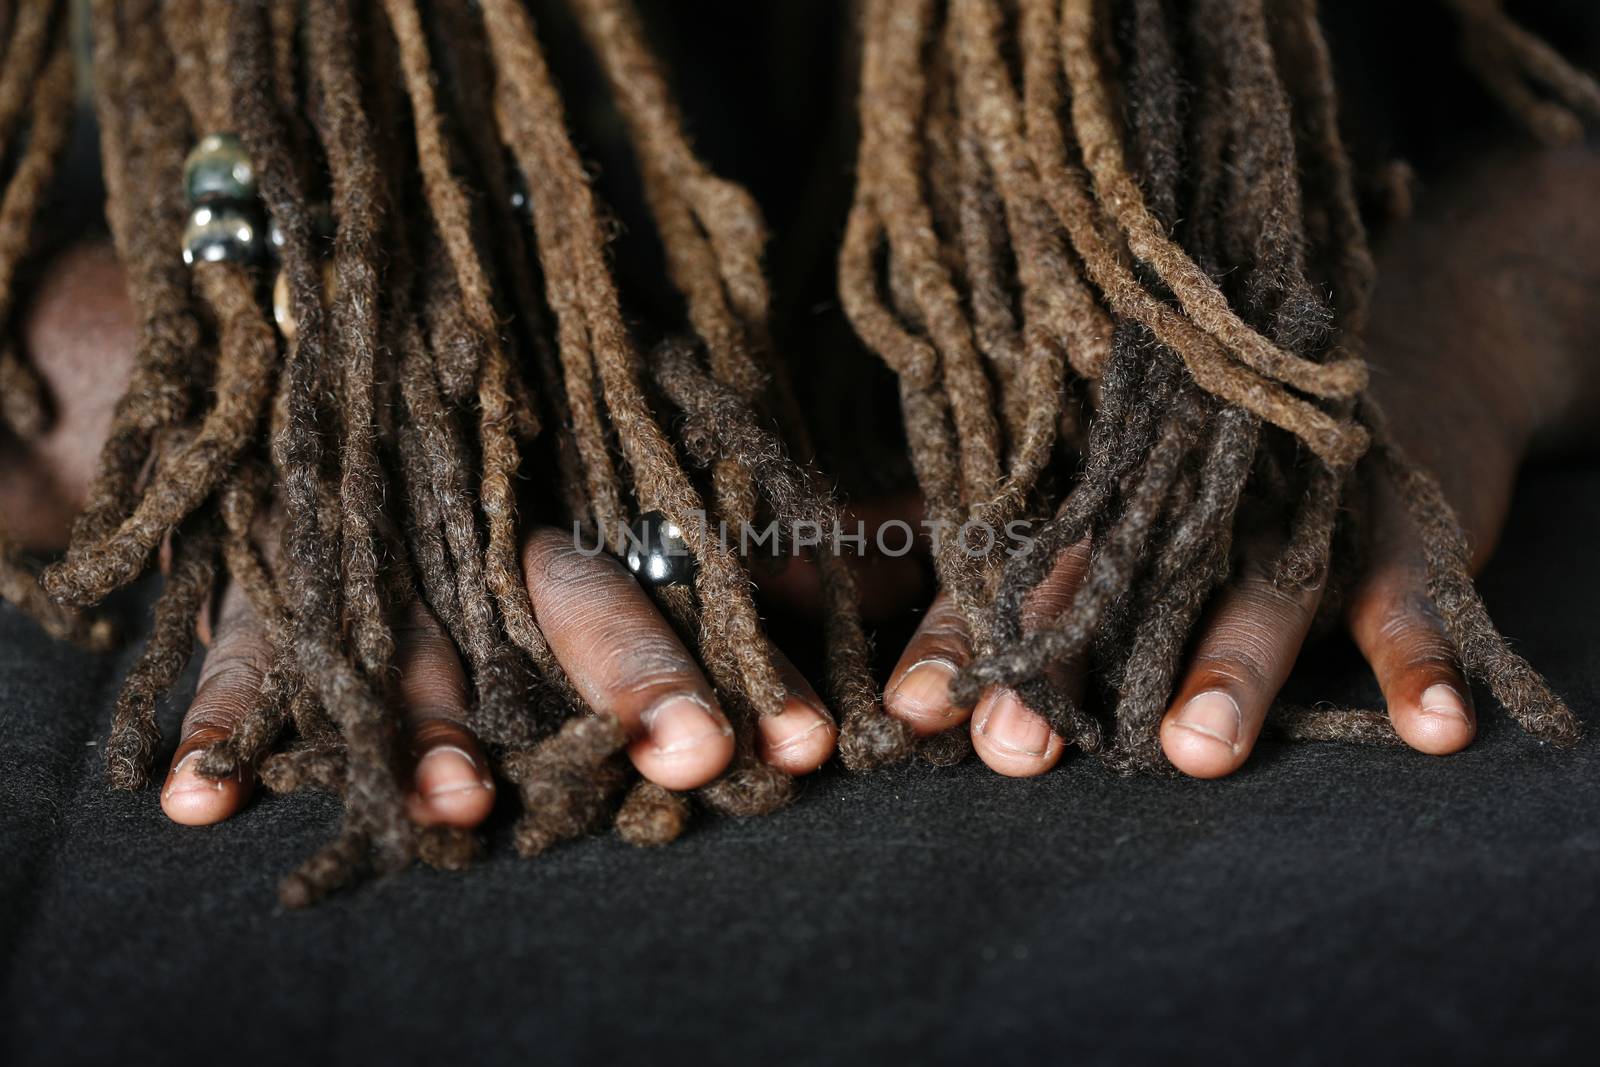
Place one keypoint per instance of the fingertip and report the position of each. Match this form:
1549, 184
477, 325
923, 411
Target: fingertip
1415, 661
799, 739
918, 693
921, 697
687, 743
1202, 737
1439, 723
190, 799
1012, 740
1196, 754
450, 789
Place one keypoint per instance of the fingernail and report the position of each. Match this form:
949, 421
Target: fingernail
185, 779
448, 769
924, 691
1443, 701
680, 724
796, 740
1213, 714
1009, 725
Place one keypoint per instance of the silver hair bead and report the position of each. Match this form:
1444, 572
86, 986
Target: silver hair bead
218, 170
220, 233
657, 553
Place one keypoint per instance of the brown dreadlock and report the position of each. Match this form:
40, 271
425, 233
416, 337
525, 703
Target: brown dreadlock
449, 340
418, 365
995, 159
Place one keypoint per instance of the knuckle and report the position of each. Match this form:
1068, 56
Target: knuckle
1235, 670
1270, 606
946, 637
1047, 602
1419, 648
1074, 560
417, 622
1411, 615
573, 584
425, 644
440, 726
433, 694
1248, 645
234, 662
601, 617
645, 664
554, 562
1055, 594
1435, 662
944, 614
1413, 632
1253, 641
540, 542
638, 694
942, 634
218, 710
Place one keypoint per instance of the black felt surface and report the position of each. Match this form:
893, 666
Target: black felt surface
1326, 903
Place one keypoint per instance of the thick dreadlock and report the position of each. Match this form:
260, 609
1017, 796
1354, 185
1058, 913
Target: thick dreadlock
1108, 162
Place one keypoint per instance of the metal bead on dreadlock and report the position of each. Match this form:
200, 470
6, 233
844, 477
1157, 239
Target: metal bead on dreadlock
657, 553
220, 233
217, 169
219, 182
283, 304
323, 229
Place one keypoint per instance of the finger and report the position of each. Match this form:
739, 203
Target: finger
450, 781
230, 679
625, 660
1011, 739
1402, 636
800, 738
1399, 631
1246, 650
1008, 737
919, 686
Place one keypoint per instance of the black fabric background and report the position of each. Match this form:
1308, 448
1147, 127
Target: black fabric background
1325, 904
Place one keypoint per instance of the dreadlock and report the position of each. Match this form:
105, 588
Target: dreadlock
1111, 249
274, 415
1166, 190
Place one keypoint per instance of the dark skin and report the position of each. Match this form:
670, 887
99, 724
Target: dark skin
1482, 344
